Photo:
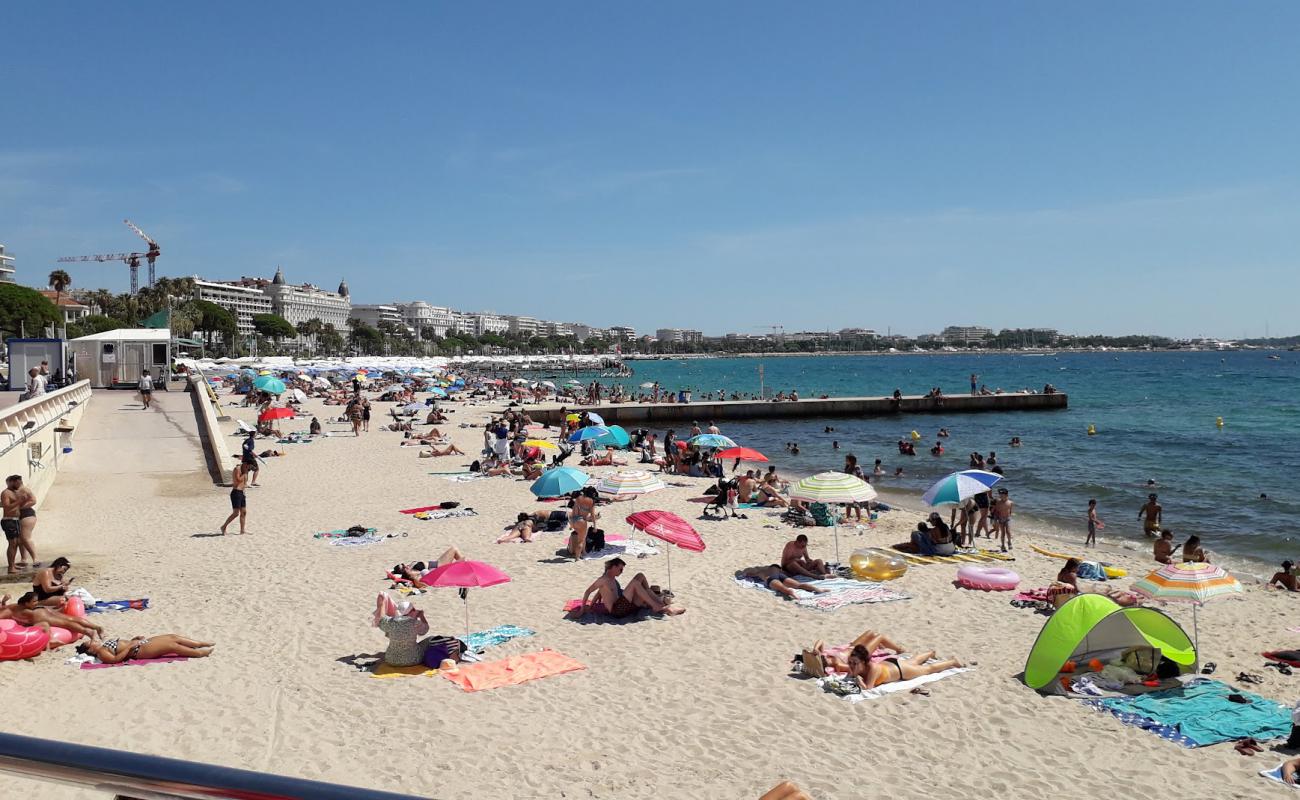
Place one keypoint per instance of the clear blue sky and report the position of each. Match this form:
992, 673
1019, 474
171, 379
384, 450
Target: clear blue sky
1099, 167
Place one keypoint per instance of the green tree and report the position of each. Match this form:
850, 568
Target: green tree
364, 339
23, 309
213, 319
329, 339
274, 327
60, 280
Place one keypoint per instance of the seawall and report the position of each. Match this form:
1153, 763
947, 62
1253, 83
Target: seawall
649, 413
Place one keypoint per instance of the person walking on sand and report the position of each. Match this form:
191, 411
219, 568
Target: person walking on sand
1150, 514
19, 522
238, 501
248, 457
146, 389
1093, 524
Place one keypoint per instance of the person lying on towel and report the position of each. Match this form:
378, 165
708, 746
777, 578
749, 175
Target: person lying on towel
778, 581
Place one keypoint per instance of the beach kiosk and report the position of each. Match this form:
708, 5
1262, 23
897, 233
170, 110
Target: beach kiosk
115, 359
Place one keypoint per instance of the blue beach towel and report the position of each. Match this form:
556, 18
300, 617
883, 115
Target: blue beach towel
479, 640
1201, 713
101, 606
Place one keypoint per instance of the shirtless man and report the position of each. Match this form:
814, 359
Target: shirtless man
1164, 547
238, 501
28, 611
745, 487
19, 522
774, 578
1150, 516
621, 602
796, 561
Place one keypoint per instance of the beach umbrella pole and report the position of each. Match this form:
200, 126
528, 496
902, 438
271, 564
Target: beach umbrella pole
668, 551
835, 528
465, 600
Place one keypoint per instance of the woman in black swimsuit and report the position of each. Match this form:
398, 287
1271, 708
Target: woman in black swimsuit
115, 651
49, 583
893, 669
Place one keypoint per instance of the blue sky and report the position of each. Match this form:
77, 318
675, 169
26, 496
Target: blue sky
1101, 167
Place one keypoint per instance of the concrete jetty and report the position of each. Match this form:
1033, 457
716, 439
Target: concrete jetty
651, 413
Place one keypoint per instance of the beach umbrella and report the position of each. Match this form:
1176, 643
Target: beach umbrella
711, 441
520, 381
648, 385
742, 453
589, 432
596, 418
436, 391
541, 444
299, 395
559, 481
322, 382
412, 408
548, 384
1189, 582
833, 487
668, 527
270, 384
572, 417
629, 483
275, 413
614, 437
465, 575
573, 382
959, 486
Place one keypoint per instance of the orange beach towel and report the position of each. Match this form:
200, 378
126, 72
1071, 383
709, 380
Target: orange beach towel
511, 671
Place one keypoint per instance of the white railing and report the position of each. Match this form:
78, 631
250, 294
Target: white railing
131, 776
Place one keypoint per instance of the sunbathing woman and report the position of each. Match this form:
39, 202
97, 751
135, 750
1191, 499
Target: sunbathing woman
28, 611
414, 573
115, 651
819, 659
768, 495
892, 669
607, 460
773, 578
522, 530
449, 450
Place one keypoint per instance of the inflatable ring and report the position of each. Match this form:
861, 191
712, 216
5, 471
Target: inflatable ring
990, 579
19, 641
876, 566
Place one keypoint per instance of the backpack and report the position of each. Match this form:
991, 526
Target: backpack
595, 540
821, 514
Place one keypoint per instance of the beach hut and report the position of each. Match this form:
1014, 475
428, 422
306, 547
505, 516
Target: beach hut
116, 358
1094, 626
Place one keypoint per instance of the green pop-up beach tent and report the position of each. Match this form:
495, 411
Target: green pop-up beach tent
1091, 623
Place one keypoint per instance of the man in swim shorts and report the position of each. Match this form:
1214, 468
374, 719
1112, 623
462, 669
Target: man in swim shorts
620, 602
1150, 516
238, 501
18, 522
796, 561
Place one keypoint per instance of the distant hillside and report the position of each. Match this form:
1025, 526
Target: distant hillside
1275, 341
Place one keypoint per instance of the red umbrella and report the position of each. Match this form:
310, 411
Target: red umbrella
667, 526
742, 453
276, 413
465, 575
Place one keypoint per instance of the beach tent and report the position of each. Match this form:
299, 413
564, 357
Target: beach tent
1093, 623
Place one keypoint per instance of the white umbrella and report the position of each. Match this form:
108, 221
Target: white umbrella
299, 395
833, 487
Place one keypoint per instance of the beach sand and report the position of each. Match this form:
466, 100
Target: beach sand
700, 705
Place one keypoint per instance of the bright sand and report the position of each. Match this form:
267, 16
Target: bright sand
699, 705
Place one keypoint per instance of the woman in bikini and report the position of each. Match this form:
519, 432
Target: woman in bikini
868, 674
115, 651
522, 530
49, 584
820, 659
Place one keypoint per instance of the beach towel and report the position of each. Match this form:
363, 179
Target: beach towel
511, 671
842, 592
1275, 774
616, 545
418, 510
135, 662
460, 477
358, 541
479, 640
828, 684
339, 534
960, 557
383, 670
451, 513
1032, 594
102, 606
1199, 713
1288, 657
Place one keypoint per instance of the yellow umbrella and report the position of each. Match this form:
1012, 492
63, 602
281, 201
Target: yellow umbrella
541, 443
573, 418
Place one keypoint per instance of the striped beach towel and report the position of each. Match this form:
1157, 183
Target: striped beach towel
842, 592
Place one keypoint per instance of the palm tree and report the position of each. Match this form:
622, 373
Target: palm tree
59, 280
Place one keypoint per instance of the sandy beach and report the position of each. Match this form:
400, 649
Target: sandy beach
701, 705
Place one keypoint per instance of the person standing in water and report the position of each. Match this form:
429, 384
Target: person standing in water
1150, 514
1093, 524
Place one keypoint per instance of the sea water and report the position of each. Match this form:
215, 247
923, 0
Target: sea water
1155, 415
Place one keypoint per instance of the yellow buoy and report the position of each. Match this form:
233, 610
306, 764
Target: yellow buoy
1218, 423
1092, 430
916, 437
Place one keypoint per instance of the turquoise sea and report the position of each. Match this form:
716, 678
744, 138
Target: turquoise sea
1154, 412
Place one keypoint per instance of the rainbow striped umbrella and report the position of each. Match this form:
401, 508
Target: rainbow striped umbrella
629, 483
833, 487
1189, 582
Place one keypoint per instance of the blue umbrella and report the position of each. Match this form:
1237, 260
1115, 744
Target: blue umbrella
708, 441
590, 432
614, 436
437, 392
270, 383
959, 486
559, 481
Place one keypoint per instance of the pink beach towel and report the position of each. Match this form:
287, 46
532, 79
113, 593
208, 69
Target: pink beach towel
573, 605
511, 671
136, 662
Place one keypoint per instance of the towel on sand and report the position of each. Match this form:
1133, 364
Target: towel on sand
842, 592
383, 670
511, 671
1200, 713
101, 606
616, 545
339, 534
359, 541
446, 513
893, 688
418, 510
1275, 774
136, 662
492, 637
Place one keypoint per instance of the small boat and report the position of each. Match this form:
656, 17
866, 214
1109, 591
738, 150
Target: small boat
1275, 358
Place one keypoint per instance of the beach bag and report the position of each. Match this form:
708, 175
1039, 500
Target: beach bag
821, 514
440, 648
357, 530
595, 540
557, 520
1143, 660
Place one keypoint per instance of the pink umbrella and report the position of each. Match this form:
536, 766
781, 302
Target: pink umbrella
667, 526
465, 575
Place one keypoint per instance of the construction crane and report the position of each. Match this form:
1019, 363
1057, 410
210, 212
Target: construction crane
132, 259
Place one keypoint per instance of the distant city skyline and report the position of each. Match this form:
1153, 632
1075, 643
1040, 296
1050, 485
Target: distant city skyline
1109, 168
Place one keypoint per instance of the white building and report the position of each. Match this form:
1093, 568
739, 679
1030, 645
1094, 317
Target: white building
524, 326
479, 323
301, 303
375, 315
965, 334
622, 333
73, 310
556, 329
242, 301
419, 316
6, 266
679, 335
583, 332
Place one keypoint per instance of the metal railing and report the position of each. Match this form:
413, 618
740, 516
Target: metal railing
131, 776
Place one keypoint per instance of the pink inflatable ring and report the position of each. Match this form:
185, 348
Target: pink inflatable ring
990, 579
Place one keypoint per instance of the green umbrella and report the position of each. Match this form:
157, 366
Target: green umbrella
269, 383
